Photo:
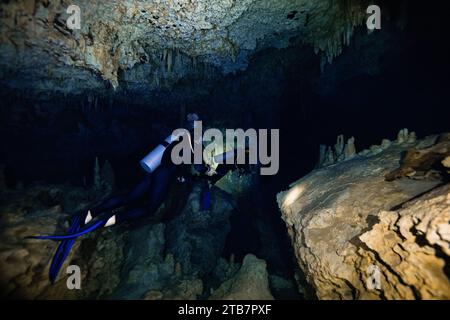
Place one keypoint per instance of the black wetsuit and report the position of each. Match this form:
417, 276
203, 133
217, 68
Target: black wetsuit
147, 196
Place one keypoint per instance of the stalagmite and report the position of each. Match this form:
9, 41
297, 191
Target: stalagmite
322, 153
339, 147
446, 163
385, 143
329, 157
402, 136
107, 176
412, 138
350, 149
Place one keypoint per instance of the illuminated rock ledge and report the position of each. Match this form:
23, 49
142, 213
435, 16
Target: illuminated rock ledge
346, 220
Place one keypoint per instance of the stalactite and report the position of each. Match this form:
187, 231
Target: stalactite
331, 46
154, 83
178, 60
169, 61
164, 56
97, 177
194, 63
95, 104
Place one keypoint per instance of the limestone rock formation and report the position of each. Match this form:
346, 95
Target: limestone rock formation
446, 163
24, 263
343, 152
411, 247
251, 282
236, 183
418, 162
171, 38
340, 152
144, 260
348, 224
195, 237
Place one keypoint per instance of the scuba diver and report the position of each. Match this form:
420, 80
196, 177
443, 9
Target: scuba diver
160, 173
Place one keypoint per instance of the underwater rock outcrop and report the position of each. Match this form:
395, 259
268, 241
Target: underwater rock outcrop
358, 236
251, 282
145, 259
23, 263
197, 238
421, 162
412, 245
340, 152
344, 151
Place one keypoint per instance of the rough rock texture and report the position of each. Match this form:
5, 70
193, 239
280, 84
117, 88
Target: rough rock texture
195, 237
418, 163
235, 182
251, 282
170, 38
346, 219
446, 163
413, 247
129, 261
24, 263
283, 288
344, 151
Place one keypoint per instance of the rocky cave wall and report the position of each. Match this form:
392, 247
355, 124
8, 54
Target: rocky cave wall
364, 215
171, 39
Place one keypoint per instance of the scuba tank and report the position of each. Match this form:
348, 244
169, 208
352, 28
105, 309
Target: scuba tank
152, 160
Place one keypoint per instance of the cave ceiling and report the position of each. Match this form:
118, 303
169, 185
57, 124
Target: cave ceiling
155, 44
